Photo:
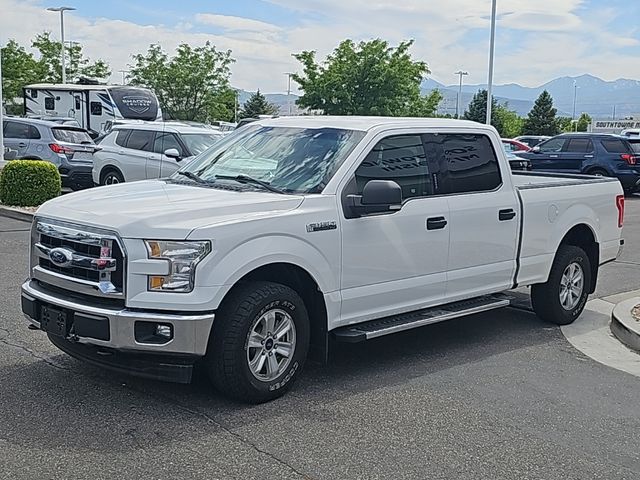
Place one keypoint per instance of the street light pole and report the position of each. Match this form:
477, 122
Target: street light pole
461, 74
124, 72
62, 55
575, 96
491, 51
1, 112
288, 74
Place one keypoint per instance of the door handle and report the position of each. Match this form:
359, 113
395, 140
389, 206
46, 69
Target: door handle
588, 156
506, 214
553, 156
22, 144
436, 223
120, 152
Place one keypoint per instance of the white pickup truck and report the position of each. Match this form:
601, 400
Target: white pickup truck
293, 233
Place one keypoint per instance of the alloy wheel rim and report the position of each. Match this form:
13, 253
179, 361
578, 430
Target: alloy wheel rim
271, 344
571, 286
111, 180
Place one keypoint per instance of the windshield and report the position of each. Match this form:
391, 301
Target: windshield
296, 160
70, 135
199, 142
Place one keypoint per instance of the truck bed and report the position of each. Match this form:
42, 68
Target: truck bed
528, 180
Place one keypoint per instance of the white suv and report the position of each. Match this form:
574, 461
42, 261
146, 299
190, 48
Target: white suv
148, 150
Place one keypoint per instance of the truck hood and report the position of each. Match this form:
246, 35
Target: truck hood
155, 208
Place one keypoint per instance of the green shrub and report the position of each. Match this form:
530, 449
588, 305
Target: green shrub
29, 183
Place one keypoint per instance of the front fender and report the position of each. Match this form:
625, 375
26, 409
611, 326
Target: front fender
225, 271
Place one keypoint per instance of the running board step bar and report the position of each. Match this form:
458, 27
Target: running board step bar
398, 323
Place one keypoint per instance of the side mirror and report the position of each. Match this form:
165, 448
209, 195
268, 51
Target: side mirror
536, 149
378, 196
173, 153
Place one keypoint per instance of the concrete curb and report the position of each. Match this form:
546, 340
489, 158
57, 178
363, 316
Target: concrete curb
623, 326
16, 214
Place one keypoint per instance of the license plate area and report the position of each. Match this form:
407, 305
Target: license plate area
54, 321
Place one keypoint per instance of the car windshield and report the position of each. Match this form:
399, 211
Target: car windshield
71, 135
294, 160
199, 142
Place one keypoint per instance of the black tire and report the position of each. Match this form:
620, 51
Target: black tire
545, 297
111, 177
598, 172
228, 352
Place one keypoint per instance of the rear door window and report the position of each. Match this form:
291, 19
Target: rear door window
616, 145
579, 145
468, 161
141, 140
71, 135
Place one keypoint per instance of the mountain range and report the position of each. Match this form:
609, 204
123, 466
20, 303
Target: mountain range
601, 99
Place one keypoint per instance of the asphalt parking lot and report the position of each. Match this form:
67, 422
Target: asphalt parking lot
494, 396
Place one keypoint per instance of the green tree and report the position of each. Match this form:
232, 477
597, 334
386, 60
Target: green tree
583, 122
511, 123
257, 104
565, 124
19, 68
542, 117
477, 111
192, 85
368, 78
425, 105
76, 65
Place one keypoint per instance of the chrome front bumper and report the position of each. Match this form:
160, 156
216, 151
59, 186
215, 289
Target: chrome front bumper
190, 332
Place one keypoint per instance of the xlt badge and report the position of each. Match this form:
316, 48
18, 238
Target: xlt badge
320, 226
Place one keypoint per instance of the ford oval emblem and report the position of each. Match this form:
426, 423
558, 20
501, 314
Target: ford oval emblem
61, 257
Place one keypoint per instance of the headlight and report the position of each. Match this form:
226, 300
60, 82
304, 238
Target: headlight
183, 257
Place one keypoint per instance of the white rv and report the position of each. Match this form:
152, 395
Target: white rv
93, 106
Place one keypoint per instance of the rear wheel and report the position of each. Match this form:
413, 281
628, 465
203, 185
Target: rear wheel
562, 298
111, 177
259, 342
598, 172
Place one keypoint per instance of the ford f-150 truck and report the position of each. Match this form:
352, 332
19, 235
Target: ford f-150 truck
293, 233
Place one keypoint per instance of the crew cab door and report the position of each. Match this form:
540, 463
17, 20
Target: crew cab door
546, 155
483, 213
394, 261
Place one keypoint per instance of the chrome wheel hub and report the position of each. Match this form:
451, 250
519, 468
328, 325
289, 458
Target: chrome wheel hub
271, 344
571, 286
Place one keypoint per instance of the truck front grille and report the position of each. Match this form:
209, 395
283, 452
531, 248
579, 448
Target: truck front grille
79, 259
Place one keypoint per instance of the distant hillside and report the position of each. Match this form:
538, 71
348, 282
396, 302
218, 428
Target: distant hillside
594, 95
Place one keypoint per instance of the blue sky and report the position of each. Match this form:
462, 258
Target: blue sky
536, 40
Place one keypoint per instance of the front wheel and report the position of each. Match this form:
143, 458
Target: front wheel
562, 298
259, 342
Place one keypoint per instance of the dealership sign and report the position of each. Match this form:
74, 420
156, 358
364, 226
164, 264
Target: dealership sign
612, 126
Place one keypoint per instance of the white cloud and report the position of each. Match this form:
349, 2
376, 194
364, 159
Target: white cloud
536, 41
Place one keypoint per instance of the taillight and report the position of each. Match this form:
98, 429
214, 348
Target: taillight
60, 149
630, 159
620, 206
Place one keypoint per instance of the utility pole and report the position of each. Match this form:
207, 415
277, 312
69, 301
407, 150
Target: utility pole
461, 74
62, 53
492, 45
1, 112
288, 74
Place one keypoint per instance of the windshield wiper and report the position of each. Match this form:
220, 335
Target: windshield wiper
251, 180
193, 176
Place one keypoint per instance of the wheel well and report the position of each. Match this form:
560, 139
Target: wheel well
304, 284
597, 169
581, 236
107, 169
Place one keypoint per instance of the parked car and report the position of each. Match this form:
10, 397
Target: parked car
589, 153
68, 147
138, 151
532, 140
511, 145
516, 162
296, 231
